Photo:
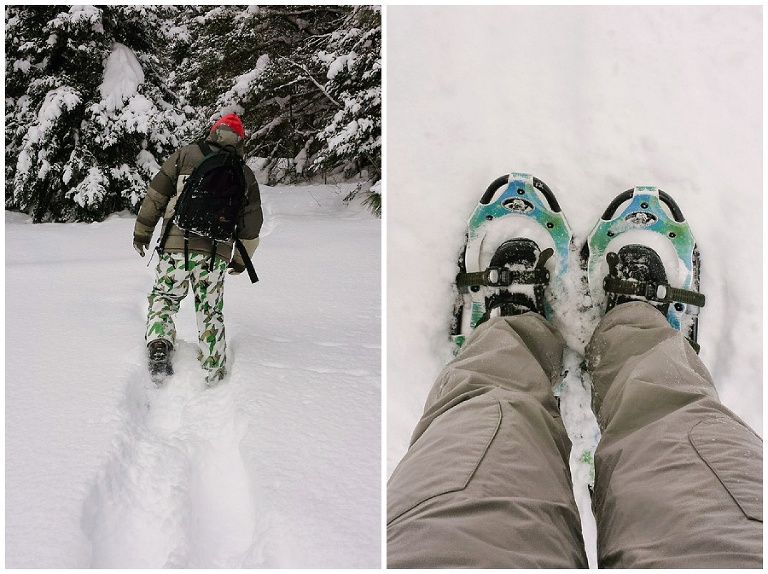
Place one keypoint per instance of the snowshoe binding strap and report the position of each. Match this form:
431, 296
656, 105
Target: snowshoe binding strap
508, 304
504, 277
661, 293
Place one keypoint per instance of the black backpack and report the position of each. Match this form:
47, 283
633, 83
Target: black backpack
210, 202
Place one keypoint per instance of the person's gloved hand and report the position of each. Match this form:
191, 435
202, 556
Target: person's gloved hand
235, 267
140, 246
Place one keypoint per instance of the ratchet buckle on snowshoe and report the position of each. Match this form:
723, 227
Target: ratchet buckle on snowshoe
654, 292
504, 277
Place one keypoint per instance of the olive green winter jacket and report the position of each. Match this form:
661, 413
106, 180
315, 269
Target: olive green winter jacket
168, 183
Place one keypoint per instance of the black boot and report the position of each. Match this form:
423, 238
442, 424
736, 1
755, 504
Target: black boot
524, 263
159, 360
638, 264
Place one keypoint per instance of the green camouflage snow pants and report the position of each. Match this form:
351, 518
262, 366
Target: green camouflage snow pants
172, 283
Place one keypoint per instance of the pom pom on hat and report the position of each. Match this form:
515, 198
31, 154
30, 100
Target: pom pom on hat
232, 121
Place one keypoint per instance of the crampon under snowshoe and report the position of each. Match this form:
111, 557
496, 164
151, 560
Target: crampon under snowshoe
648, 253
159, 360
517, 242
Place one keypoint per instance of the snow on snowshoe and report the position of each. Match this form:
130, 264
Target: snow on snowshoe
159, 361
517, 240
646, 252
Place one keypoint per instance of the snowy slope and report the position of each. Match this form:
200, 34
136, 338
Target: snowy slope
592, 100
278, 467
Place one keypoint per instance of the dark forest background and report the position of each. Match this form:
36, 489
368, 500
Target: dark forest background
306, 81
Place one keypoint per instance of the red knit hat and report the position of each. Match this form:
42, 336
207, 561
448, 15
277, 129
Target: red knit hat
232, 121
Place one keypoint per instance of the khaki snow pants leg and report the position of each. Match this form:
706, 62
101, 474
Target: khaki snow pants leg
486, 481
678, 476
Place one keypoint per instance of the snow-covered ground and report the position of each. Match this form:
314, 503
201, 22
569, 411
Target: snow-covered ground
280, 466
593, 101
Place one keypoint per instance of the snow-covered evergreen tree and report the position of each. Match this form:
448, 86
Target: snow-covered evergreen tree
88, 113
353, 62
261, 65
97, 97
352, 139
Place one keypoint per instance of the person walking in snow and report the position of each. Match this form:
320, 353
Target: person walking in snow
186, 261
485, 482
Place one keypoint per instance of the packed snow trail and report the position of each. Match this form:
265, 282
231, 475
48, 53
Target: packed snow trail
279, 466
176, 493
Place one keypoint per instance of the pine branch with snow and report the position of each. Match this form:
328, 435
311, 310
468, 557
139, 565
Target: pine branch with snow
352, 58
83, 106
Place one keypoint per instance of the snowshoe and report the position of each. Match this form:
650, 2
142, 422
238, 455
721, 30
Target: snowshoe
646, 252
517, 240
159, 360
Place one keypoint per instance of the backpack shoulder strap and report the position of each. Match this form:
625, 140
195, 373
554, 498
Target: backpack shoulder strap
205, 148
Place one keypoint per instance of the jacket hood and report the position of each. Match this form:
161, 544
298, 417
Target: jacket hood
223, 135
